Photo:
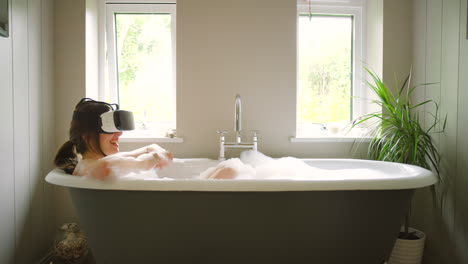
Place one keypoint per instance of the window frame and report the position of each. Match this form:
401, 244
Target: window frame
108, 90
355, 8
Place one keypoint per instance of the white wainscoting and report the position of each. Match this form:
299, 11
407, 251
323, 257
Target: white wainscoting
27, 141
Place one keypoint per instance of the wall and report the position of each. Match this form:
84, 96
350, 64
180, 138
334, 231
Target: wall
225, 48
461, 196
70, 82
26, 137
396, 40
70, 60
440, 55
374, 47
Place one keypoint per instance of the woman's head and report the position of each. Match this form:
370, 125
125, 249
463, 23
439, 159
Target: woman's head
85, 128
86, 136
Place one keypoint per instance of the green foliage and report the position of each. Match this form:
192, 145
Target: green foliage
398, 135
326, 96
133, 45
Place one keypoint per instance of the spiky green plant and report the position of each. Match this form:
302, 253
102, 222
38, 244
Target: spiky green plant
397, 133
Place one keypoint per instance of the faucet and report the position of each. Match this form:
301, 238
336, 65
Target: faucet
223, 145
238, 118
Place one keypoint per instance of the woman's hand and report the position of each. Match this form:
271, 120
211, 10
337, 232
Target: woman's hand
161, 162
154, 148
161, 154
156, 160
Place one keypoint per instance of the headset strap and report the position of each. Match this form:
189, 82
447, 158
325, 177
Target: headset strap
99, 102
86, 116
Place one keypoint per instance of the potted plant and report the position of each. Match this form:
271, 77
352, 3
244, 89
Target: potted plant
398, 136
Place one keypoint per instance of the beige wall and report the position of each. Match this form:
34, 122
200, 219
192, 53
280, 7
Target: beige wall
70, 61
226, 48
70, 82
374, 45
374, 28
396, 40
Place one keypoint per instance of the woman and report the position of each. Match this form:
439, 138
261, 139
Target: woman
90, 151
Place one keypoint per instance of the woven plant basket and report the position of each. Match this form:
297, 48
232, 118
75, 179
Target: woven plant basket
406, 251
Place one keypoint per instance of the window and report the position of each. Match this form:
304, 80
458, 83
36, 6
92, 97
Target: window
329, 67
140, 42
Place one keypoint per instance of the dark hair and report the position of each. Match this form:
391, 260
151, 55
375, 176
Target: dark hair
83, 135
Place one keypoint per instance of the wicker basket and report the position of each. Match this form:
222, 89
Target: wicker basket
408, 251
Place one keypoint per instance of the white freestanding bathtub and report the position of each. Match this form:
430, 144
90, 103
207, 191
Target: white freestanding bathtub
349, 211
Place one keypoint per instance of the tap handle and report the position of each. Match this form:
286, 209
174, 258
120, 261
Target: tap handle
254, 136
255, 140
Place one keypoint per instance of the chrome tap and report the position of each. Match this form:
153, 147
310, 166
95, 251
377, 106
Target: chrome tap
238, 118
223, 145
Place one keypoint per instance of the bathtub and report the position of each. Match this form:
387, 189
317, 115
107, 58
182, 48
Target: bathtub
349, 214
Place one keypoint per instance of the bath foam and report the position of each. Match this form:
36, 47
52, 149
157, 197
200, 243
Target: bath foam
256, 165
148, 174
243, 171
254, 158
290, 168
251, 165
282, 168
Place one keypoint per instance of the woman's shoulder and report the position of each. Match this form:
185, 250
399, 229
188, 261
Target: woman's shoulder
90, 167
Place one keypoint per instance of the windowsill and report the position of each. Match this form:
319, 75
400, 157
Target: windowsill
331, 138
135, 139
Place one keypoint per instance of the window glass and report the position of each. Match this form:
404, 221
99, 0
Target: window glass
325, 73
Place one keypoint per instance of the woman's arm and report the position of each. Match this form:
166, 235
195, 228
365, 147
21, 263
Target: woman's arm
145, 150
134, 153
118, 165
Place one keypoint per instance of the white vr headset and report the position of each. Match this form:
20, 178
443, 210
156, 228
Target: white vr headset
111, 121
116, 121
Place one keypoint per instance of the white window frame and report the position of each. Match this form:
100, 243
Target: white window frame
356, 8
111, 10
108, 89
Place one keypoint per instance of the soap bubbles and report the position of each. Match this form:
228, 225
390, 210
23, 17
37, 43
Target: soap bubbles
256, 165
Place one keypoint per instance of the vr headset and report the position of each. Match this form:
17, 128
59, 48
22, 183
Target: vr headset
109, 122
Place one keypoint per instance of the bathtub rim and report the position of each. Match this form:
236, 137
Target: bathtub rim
420, 178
